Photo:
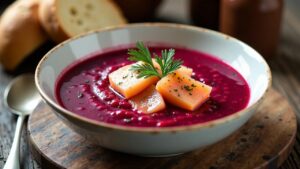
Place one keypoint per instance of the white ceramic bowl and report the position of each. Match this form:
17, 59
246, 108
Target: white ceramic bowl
155, 141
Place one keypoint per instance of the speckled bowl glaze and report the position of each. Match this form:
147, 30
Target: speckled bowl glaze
155, 141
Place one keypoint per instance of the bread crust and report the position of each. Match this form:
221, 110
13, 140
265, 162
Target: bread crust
52, 23
49, 20
20, 33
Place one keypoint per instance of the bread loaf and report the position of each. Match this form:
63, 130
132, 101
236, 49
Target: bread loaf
20, 33
67, 18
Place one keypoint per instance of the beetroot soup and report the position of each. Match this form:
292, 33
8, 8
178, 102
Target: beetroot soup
84, 89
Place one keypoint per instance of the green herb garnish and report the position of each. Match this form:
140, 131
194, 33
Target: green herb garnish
166, 62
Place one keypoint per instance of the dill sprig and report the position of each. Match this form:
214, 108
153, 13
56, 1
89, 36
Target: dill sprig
166, 62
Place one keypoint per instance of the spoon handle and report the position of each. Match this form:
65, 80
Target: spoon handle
13, 157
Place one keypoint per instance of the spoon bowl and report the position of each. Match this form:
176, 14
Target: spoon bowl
21, 97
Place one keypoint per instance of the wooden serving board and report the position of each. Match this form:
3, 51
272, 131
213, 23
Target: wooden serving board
264, 142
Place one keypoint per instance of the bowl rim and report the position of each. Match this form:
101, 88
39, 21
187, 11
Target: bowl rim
197, 126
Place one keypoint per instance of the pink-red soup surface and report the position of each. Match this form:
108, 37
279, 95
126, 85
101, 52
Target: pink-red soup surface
83, 88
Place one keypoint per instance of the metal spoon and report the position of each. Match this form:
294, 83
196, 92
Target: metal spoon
21, 97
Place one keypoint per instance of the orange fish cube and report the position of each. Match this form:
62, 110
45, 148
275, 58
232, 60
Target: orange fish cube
185, 70
183, 91
125, 81
148, 101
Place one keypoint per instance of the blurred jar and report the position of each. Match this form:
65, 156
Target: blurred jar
138, 10
205, 13
256, 22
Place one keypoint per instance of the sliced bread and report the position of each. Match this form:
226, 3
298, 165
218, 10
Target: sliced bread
20, 33
63, 19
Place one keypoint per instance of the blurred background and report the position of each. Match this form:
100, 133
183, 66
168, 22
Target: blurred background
256, 22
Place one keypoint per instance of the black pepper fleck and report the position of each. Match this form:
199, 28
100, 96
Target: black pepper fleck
187, 88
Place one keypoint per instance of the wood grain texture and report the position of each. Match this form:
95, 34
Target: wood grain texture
285, 70
264, 142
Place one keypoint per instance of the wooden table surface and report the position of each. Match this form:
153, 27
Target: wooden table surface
285, 70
